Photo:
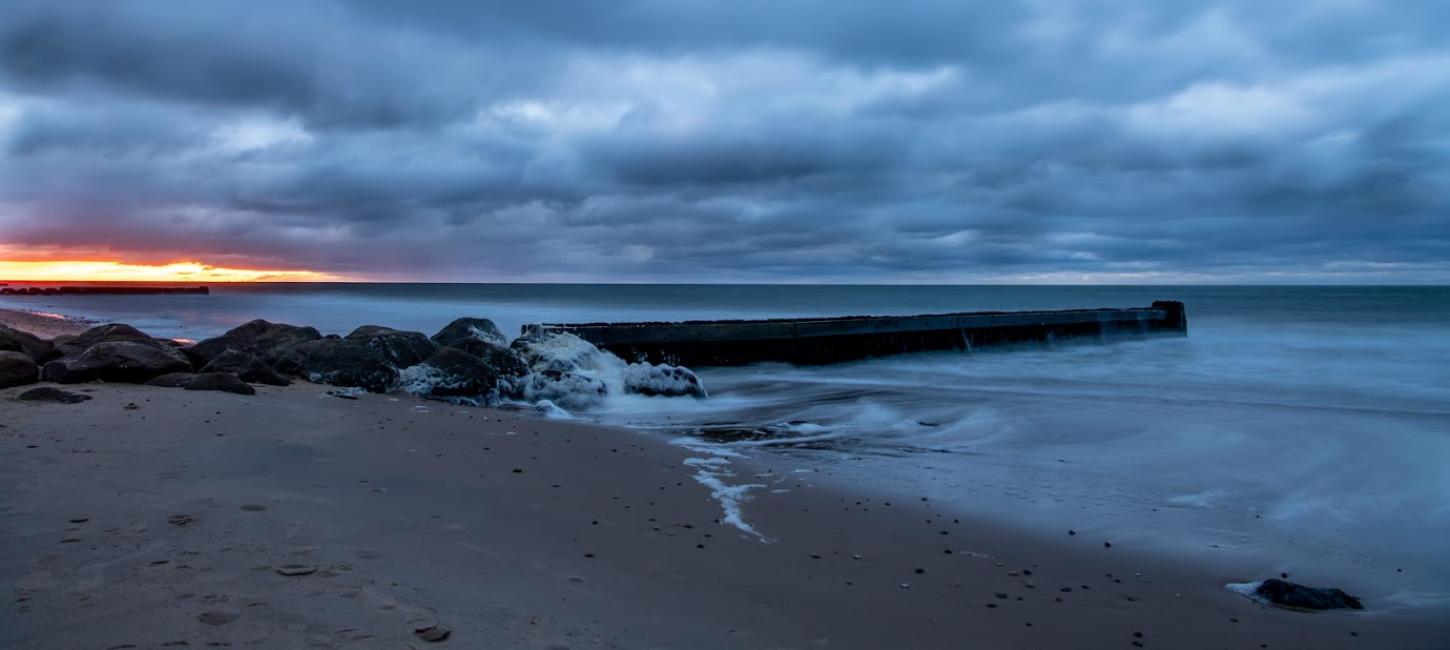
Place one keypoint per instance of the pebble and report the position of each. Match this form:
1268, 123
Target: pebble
296, 570
433, 633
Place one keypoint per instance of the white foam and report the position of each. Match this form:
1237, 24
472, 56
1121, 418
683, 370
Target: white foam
1248, 590
711, 471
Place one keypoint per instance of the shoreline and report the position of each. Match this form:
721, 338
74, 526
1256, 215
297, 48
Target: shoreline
43, 324
411, 513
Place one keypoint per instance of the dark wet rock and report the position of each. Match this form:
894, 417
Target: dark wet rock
74, 346
117, 361
459, 332
662, 380
337, 362
1296, 596
453, 375
219, 381
267, 340
401, 348
17, 369
171, 380
246, 365
26, 343
52, 394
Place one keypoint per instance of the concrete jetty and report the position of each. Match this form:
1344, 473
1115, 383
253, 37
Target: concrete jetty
846, 338
101, 290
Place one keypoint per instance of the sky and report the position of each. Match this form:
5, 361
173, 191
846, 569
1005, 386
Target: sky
745, 141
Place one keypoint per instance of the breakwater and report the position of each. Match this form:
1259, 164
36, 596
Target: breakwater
846, 338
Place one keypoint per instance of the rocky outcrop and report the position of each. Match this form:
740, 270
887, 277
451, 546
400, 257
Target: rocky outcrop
51, 394
119, 361
17, 369
453, 375
339, 362
401, 348
662, 380
269, 341
1294, 596
30, 345
247, 366
74, 346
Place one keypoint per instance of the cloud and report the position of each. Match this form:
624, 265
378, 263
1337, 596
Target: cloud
652, 140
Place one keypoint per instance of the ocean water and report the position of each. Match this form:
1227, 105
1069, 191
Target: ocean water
1303, 429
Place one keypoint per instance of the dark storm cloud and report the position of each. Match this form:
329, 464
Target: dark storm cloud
920, 141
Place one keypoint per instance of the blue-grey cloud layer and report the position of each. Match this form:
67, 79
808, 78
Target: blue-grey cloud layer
673, 140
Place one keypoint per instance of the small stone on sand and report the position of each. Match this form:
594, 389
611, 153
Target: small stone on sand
296, 569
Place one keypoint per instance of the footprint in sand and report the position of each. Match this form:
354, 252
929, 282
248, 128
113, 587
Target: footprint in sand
216, 617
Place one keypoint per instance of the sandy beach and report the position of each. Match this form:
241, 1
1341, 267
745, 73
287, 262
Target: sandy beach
150, 517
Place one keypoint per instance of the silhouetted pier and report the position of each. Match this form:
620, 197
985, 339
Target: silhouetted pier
845, 338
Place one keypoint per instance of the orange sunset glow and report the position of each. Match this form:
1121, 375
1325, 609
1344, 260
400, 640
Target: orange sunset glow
112, 271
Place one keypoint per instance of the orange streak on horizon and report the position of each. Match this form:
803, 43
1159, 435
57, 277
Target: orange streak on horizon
110, 271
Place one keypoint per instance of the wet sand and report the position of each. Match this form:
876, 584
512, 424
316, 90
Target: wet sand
174, 521
44, 325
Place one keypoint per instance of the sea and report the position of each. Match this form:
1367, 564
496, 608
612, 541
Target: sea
1300, 429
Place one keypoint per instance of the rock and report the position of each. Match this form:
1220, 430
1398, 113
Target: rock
17, 369
52, 394
402, 349
339, 363
74, 346
219, 381
662, 380
453, 375
246, 365
119, 361
171, 380
267, 340
26, 343
1295, 596
459, 332
572, 391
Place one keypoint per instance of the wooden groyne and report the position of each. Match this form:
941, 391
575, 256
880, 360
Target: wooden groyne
846, 338
117, 290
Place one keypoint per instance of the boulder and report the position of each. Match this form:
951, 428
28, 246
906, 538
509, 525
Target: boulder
401, 348
267, 340
52, 394
1294, 596
17, 368
452, 375
74, 346
171, 380
460, 331
119, 361
565, 369
246, 366
219, 381
662, 380
29, 344
339, 362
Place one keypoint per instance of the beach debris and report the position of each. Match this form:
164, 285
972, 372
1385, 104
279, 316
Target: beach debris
53, 395
1295, 596
433, 633
216, 617
292, 570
